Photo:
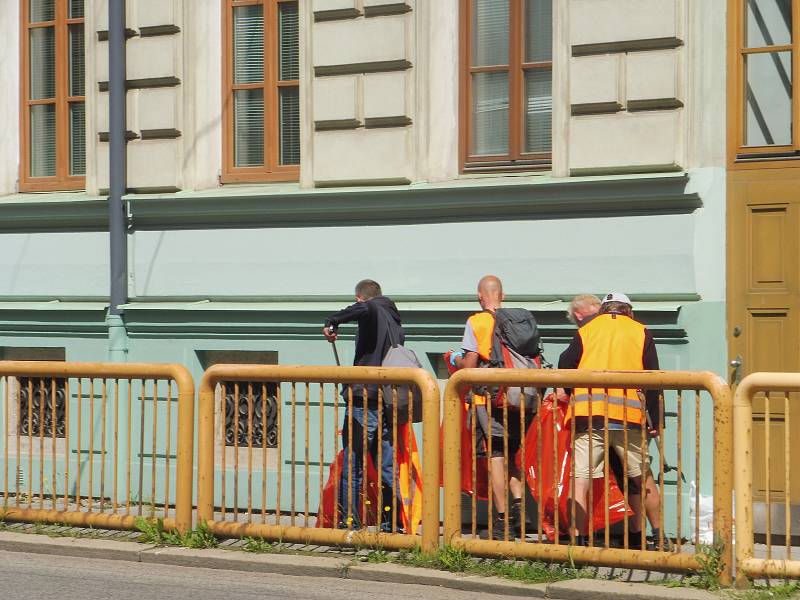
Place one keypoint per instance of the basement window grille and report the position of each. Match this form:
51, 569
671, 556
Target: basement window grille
42, 407
251, 415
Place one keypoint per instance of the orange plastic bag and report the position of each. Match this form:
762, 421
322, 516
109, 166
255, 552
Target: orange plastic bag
550, 427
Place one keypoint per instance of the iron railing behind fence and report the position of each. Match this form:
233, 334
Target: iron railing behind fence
96, 444
274, 461
562, 528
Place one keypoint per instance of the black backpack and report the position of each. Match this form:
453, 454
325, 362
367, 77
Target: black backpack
516, 344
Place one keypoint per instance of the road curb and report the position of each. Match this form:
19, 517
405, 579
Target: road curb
390, 573
66, 546
579, 589
324, 566
233, 560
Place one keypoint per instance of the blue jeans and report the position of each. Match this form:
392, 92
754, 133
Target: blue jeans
356, 457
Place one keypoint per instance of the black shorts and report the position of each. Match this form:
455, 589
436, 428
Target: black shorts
496, 425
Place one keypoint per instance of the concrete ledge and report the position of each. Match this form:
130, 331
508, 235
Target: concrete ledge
84, 548
283, 564
579, 589
391, 573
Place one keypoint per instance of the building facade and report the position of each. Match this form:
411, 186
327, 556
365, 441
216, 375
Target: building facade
279, 151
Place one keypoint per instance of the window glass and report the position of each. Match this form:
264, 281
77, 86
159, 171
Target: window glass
490, 32
288, 41
768, 93
77, 61
248, 127
538, 30
75, 9
42, 60
290, 126
43, 140
41, 10
248, 44
490, 113
538, 110
77, 138
769, 23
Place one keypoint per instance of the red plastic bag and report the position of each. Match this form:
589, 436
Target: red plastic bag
481, 465
549, 425
328, 501
409, 475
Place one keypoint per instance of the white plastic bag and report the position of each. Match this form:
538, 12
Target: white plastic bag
706, 525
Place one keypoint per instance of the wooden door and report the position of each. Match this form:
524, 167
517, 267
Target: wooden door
764, 311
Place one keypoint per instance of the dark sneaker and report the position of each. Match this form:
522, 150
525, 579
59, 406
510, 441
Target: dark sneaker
498, 531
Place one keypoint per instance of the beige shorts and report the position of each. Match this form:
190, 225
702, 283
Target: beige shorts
616, 443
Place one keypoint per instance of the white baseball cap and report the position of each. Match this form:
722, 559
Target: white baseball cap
617, 297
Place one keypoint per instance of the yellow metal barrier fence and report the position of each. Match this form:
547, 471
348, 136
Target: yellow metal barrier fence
666, 553
76, 449
775, 396
260, 464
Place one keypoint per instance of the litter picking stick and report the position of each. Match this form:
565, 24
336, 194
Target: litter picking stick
335, 351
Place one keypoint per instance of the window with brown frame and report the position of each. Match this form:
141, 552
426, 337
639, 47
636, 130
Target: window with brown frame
767, 76
261, 100
506, 84
53, 115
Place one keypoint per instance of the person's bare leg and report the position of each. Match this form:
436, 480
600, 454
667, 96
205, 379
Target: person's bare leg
652, 502
515, 485
498, 484
581, 500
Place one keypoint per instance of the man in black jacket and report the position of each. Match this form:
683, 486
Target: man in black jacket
378, 320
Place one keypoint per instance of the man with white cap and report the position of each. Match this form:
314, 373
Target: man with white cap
611, 341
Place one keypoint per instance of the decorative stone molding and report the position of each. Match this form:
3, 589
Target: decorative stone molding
595, 108
147, 82
339, 14
626, 46
156, 30
383, 66
654, 104
381, 10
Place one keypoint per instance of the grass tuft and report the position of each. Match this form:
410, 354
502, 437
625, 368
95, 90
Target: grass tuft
153, 532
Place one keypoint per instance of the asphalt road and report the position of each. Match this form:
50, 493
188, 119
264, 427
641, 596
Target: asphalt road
41, 576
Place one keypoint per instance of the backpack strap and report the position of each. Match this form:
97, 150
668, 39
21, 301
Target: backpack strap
389, 322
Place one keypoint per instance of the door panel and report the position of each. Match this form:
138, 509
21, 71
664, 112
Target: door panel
763, 309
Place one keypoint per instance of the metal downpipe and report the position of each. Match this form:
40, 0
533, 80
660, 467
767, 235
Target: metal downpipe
118, 259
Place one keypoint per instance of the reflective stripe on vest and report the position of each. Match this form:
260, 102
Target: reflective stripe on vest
619, 408
610, 343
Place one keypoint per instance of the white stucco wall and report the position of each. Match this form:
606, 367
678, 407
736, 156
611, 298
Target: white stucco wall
9, 96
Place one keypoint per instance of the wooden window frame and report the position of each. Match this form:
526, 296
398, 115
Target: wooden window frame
272, 170
758, 157
62, 180
516, 159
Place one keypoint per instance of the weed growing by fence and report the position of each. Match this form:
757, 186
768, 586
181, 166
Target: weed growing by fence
153, 532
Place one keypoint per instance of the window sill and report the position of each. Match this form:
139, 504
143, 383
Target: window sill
506, 167
288, 175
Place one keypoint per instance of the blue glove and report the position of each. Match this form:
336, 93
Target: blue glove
453, 355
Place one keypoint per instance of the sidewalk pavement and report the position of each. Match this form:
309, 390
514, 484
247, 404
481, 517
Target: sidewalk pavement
341, 566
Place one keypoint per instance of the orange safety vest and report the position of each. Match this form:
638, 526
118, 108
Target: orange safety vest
483, 328
610, 343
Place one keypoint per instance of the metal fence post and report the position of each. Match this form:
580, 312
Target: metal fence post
185, 467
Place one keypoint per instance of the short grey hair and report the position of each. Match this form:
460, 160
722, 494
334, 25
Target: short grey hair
581, 302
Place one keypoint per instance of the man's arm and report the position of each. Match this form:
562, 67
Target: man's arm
650, 362
347, 315
468, 357
569, 359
